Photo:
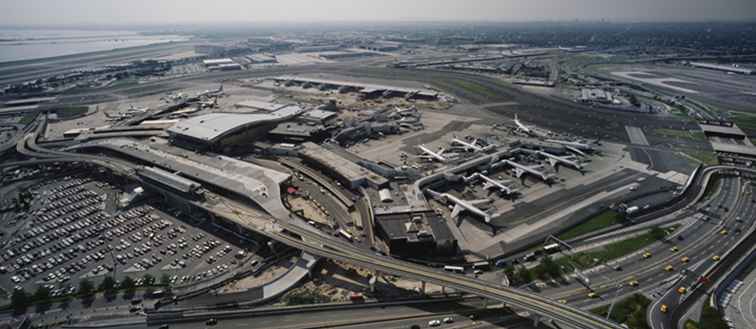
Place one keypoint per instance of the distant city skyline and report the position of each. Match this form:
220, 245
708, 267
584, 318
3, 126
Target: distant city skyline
162, 12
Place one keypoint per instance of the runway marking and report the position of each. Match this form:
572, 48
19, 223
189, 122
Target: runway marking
636, 135
659, 82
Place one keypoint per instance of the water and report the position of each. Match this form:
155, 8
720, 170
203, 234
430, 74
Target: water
22, 44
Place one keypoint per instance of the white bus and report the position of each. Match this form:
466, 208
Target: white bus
454, 269
345, 234
551, 248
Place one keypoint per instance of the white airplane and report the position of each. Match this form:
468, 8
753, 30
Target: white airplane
555, 160
438, 156
527, 130
133, 109
521, 170
584, 147
575, 150
462, 205
492, 184
209, 93
521, 127
471, 147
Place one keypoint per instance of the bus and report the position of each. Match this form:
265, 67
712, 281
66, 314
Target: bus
454, 269
551, 248
481, 266
345, 234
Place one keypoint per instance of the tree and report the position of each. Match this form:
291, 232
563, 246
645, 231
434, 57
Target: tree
129, 287
108, 285
41, 294
86, 288
524, 275
148, 279
165, 280
551, 267
19, 301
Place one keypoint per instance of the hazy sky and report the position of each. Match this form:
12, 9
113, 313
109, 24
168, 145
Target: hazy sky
54, 12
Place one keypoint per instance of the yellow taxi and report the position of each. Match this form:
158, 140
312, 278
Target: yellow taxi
592, 294
647, 254
669, 268
716, 258
682, 290
633, 283
663, 308
723, 232
685, 259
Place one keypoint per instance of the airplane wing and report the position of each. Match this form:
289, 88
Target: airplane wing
456, 211
479, 202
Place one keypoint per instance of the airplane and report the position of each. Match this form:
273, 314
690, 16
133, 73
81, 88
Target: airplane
492, 184
527, 130
133, 109
555, 160
472, 147
584, 147
438, 156
209, 93
462, 205
575, 150
521, 170
521, 127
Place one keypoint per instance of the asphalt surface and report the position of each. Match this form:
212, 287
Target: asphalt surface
699, 243
714, 243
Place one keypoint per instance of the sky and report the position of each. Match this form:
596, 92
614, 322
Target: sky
159, 12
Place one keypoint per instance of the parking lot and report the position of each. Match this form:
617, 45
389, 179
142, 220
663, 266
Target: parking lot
73, 231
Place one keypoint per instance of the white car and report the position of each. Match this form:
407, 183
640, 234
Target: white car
448, 320
434, 323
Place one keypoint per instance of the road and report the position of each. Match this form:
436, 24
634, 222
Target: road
347, 317
741, 219
742, 307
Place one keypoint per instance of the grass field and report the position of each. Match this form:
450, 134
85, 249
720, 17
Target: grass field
27, 118
600, 221
746, 121
684, 134
71, 111
706, 157
608, 252
630, 311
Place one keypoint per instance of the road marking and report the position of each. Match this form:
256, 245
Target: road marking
636, 136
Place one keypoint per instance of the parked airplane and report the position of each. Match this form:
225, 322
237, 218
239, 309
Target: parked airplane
527, 130
472, 147
430, 155
521, 127
521, 170
584, 147
555, 160
492, 184
462, 205
210, 93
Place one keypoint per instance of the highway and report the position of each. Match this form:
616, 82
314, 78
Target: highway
380, 315
649, 272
